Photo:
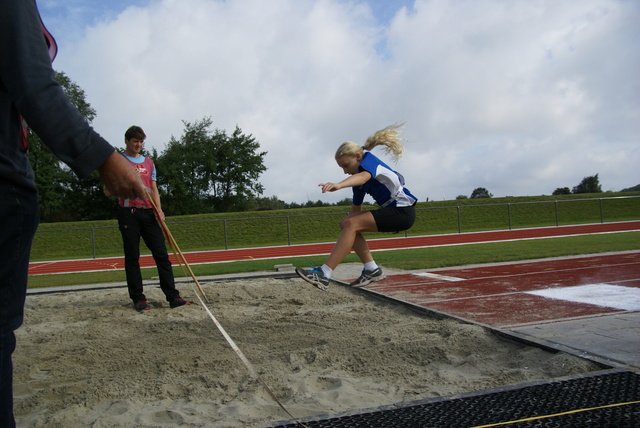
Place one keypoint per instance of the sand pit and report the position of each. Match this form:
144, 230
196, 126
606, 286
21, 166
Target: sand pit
87, 359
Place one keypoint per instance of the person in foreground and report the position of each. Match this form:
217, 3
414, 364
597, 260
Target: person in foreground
368, 175
30, 95
136, 219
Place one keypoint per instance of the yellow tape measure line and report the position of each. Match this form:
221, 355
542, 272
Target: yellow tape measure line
557, 414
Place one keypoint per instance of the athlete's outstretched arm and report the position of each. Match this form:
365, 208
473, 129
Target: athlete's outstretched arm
352, 181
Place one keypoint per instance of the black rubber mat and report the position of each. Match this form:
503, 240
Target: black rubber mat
603, 400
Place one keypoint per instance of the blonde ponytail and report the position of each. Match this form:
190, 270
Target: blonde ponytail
388, 137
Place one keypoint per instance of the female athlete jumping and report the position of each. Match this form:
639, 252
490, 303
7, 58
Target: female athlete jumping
368, 175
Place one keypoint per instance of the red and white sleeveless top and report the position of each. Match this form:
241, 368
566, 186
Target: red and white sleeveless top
146, 172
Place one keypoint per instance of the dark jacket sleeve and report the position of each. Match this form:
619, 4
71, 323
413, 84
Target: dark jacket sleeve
27, 76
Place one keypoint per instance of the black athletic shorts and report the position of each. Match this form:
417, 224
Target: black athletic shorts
394, 219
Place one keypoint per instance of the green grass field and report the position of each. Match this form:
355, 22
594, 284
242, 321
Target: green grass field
63, 241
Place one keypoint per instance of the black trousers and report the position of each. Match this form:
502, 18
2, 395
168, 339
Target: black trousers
19, 214
135, 223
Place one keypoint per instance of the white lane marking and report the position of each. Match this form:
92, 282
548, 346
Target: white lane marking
605, 295
438, 276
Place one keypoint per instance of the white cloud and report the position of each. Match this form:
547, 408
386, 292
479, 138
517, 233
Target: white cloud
515, 96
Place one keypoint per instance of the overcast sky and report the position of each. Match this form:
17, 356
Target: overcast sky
517, 96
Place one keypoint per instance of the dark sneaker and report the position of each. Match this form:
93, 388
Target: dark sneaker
141, 305
314, 276
178, 301
368, 276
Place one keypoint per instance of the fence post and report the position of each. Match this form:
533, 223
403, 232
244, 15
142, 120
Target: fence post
557, 221
459, 221
601, 214
509, 214
288, 232
93, 241
224, 228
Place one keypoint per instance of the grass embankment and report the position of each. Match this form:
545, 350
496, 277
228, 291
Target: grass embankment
236, 230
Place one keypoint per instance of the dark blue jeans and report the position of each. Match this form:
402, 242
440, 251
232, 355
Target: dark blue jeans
135, 223
19, 217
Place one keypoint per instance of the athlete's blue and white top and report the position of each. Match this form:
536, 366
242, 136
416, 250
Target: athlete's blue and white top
385, 186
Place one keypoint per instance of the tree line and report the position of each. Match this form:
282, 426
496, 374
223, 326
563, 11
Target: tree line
590, 184
206, 170
209, 171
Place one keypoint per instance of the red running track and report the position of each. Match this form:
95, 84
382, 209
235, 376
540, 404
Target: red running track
513, 295
218, 256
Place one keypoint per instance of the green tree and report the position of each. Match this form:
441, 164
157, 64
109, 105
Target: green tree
562, 191
50, 178
239, 166
264, 204
480, 192
76, 95
85, 199
209, 171
635, 188
182, 179
589, 184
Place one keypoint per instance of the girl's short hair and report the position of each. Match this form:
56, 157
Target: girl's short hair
388, 137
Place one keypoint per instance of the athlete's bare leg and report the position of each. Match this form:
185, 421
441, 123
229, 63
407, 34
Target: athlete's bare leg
351, 238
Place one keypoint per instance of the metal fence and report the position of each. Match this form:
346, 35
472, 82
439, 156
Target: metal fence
105, 241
